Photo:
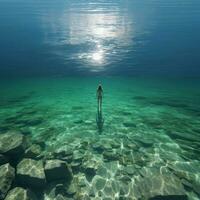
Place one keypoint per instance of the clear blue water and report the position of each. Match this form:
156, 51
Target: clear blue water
145, 53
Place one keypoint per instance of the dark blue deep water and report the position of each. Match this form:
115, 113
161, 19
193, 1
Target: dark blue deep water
99, 36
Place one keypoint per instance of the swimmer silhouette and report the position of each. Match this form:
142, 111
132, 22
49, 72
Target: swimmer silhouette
99, 118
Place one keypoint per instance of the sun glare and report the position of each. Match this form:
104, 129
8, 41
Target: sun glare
97, 56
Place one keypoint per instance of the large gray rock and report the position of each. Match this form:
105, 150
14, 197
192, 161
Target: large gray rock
12, 143
19, 193
154, 184
57, 169
7, 175
31, 173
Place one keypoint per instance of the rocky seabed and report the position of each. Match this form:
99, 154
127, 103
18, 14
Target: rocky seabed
124, 168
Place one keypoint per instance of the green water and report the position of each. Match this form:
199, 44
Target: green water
152, 124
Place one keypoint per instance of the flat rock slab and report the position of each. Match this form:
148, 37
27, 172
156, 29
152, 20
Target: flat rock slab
31, 173
98, 182
7, 175
57, 169
12, 143
19, 193
153, 184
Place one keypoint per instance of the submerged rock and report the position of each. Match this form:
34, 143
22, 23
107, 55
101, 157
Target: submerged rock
31, 173
19, 193
7, 175
73, 187
111, 155
81, 180
12, 143
130, 170
57, 169
98, 147
63, 151
129, 125
103, 172
53, 190
75, 166
98, 182
78, 156
91, 164
145, 142
33, 151
153, 184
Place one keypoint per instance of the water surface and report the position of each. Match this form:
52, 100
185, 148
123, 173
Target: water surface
103, 37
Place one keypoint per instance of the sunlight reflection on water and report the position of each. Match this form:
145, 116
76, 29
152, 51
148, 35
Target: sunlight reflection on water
103, 31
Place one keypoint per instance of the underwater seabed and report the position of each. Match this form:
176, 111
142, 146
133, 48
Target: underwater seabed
149, 147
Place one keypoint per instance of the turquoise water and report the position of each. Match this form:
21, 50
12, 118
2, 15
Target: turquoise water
151, 126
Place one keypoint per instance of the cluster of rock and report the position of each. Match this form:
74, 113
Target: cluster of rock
126, 168
91, 168
23, 170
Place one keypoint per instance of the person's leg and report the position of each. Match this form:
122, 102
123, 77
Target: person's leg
100, 104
